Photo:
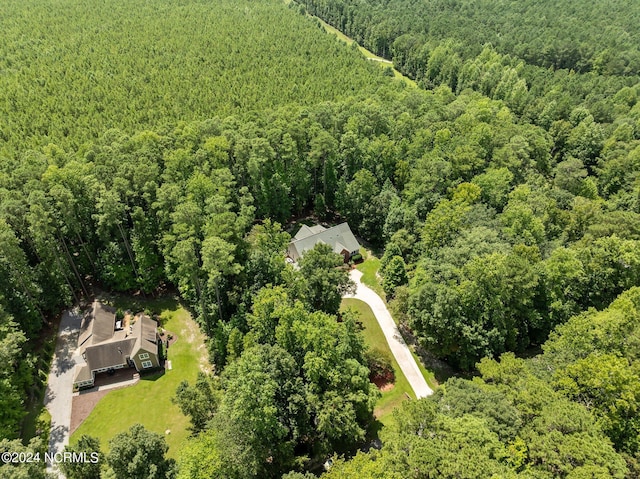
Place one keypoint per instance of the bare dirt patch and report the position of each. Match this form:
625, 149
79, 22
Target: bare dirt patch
203, 361
128, 320
166, 335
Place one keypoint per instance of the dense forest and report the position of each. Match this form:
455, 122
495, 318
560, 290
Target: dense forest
597, 36
150, 146
85, 67
543, 59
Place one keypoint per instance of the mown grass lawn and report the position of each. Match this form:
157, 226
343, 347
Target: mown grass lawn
374, 339
369, 269
149, 401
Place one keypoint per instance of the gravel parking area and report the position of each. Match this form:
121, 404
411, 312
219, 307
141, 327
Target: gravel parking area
60, 383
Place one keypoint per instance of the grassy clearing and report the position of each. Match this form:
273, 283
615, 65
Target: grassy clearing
369, 268
369, 55
374, 339
149, 401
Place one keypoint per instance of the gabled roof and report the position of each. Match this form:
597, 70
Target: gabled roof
306, 231
144, 330
97, 325
339, 248
339, 238
103, 346
83, 374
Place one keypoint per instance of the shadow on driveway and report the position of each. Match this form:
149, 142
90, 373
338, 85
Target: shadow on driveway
58, 396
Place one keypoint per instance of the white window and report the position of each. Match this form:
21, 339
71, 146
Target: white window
143, 355
147, 364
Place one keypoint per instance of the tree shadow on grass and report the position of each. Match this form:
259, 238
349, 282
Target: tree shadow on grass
441, 369
373, 435
166, 301
152, 376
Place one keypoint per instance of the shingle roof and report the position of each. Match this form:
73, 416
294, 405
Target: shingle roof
109, 354
339, 238
104, 347
144, 330
97, 325
306, 231
83, 374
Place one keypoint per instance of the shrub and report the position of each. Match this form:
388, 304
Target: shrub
379, 363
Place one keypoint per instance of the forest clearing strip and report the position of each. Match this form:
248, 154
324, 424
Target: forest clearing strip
369, 55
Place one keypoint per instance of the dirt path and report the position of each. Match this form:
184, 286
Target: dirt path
382, 60
367, 54
397, 345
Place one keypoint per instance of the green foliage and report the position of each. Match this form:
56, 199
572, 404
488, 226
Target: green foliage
480, 314
339, 396
199, 402
200, 458
554, 429
460, 397
395, 274
299, 388
267, 243
89, 468
446, 218
505, 51
495, 185
14, 375
611, 387
365, 204
262, 414
461, 447
267, 308
612, 330
594, 356
362, 466
139, 454
23, 469
142, 87
325, 282
508, 198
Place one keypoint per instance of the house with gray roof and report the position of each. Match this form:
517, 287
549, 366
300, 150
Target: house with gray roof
339, 237
106, 344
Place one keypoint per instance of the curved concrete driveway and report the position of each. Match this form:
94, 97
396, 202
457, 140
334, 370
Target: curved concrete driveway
60, 384
396, 343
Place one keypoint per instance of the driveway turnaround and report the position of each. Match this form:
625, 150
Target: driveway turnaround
58, 397
397, 345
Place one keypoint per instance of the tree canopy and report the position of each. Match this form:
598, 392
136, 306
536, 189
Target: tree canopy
164, 146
